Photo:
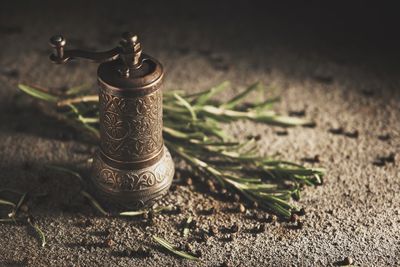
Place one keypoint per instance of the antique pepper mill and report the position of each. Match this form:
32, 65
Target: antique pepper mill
132, 167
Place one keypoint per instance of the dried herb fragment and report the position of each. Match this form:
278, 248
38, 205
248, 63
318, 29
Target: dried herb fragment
37, 230
173, 250
6, 202
186, 226
94, 203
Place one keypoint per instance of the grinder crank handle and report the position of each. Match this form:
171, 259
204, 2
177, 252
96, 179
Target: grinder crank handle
62, 56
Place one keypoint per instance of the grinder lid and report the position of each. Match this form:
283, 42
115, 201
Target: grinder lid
123, 68
132, 69
149, 74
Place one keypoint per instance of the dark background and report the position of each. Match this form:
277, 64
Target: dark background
344, 31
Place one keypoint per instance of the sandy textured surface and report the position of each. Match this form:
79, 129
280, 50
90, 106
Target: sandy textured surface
356, 213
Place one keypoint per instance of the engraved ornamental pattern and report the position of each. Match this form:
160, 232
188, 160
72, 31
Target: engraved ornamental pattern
133, 180
131, 128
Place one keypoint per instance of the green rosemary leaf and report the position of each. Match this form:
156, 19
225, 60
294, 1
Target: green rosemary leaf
38, 231
205, 96
68, 171
11, 191
94, 203
267, 104
276, 199
240, 97
173, 250
279, 120
245, 180
21, 200
37, 93
133, 213
162, 208
76, 90
7, 220
141, 212
255, 186
6, 202
85, 120
92, 130
181, 135
186, 105
213, 143
279, 209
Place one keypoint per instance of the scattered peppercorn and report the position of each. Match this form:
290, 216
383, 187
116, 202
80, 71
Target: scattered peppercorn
336, 130
301, 212
300, 224
241, 208
210, 211
87, 223
151, 215
128, 253
178, 209
353, 134
230, 237
384, 137
211, 186
258, 217
212, 230
189, 181
379, 162
272, 218
198, 253
188, 247
314, 159
145, 215
347, 261
260, 228
193, 224
282, 133
109, 242
294, 217
234, 228
390, 158
226, 264
297, 113
204, 236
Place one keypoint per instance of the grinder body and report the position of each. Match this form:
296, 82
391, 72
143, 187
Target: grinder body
131, 167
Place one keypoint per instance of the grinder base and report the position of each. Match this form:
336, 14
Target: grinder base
132, 188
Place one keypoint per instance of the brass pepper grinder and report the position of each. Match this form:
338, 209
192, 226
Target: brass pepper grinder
132, 167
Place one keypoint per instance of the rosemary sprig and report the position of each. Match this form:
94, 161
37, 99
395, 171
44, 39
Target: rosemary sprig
6, 202
192, 131
39, 231
94, 203
14, 216
173, 250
